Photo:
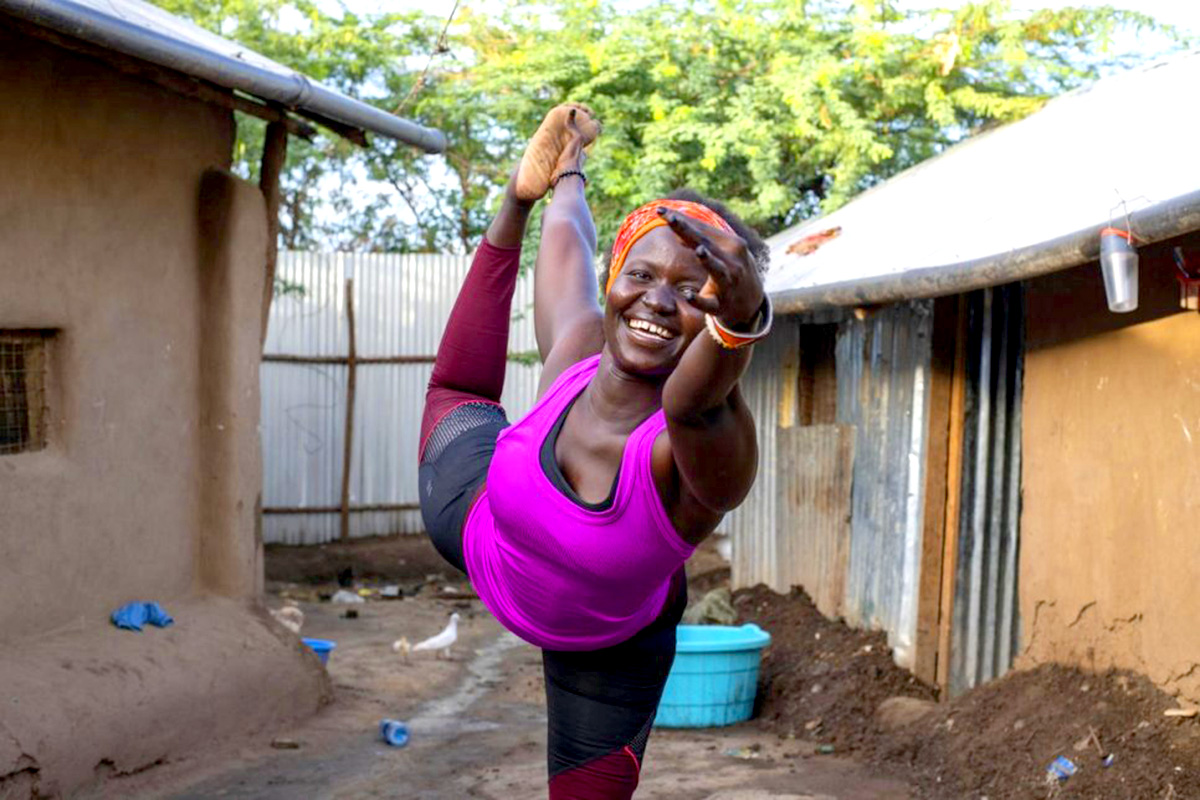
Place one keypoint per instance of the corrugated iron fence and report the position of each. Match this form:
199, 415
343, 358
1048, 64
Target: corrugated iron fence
400, 304
883, 375
882, 372
986, 625
751, 526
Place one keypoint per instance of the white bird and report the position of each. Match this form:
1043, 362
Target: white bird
289, 617
402, 647
443, 641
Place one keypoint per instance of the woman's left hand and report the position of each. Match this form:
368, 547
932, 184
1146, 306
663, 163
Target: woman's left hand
734, 291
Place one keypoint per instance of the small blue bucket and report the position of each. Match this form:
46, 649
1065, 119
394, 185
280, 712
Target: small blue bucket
714, 678
322, 647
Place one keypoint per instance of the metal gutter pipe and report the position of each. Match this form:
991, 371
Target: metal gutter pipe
290, 90
1155, 223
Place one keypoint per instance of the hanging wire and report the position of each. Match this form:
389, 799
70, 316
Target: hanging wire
438, 49
1124, 206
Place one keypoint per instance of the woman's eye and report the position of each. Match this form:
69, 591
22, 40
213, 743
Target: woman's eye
641, 275
688, 293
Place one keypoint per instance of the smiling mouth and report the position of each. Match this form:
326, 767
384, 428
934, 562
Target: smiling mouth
649, 329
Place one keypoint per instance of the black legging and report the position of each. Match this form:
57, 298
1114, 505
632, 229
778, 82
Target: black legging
600, 703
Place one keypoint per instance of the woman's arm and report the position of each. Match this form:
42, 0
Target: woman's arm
712, 436
566, 310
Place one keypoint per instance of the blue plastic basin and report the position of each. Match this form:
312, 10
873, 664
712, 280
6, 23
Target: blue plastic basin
322, 647
714, 678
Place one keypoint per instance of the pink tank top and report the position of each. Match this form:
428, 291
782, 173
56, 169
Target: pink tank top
558, 575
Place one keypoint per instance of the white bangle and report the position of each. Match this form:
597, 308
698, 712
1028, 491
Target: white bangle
731, 339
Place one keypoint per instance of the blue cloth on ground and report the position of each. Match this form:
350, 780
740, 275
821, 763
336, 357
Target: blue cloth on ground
132, 616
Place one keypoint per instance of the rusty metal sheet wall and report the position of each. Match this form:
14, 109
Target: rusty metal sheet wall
986, 624
401, 304
767, 385
814, 481
883, 366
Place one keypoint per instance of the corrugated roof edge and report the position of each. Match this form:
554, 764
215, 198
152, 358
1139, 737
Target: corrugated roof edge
290, 89
1154, 223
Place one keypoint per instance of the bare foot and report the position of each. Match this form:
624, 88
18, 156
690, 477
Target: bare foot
564, 124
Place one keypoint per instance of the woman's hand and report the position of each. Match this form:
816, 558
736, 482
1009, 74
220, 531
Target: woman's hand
734, 291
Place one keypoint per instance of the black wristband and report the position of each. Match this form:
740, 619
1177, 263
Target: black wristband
565, 173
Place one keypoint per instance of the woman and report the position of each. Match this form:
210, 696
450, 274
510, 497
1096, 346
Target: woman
573, 524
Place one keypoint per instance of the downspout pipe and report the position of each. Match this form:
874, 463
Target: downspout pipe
289, 89
1155, 223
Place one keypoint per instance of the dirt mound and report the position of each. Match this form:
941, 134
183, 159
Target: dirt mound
998, 740
823, 681
819, 679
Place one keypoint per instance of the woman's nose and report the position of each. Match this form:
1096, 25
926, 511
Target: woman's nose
660, 299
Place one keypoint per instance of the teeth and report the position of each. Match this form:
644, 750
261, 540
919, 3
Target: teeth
650, 327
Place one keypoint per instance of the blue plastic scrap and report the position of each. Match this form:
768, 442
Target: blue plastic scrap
132, 616
394, 732
1062, 768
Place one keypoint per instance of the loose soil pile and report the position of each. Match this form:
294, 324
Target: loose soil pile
819, 679
998, 739
823, 681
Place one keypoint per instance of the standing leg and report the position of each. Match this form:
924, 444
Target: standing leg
601, 706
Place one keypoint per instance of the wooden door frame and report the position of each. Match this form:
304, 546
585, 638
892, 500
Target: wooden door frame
942, 492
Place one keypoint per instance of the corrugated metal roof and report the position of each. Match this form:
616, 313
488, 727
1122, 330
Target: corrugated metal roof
146, 32
1128, 138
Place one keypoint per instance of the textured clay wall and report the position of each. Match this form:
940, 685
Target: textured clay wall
154, 402
1110, 525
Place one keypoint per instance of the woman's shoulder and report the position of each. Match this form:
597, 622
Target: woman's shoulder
577, 346
563, 366
552, 398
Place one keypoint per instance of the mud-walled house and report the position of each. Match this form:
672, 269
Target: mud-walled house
968, 442
135, 270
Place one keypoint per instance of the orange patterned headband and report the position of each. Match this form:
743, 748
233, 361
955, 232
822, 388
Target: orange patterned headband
646, 219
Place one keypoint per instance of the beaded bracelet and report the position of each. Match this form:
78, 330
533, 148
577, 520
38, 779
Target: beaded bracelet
565, 173
731, 339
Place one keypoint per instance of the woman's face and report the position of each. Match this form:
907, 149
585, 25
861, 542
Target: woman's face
648, 319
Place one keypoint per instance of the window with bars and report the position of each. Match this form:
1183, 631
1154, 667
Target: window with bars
22, 391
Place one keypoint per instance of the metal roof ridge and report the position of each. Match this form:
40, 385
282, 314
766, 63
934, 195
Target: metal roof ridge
281, 85
1155, 223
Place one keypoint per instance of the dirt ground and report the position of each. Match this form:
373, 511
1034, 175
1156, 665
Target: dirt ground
477, 722
824, 682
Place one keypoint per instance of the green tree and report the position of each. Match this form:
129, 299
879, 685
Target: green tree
324, 205
781, 108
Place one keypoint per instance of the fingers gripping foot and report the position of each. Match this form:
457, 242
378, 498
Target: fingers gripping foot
568, 127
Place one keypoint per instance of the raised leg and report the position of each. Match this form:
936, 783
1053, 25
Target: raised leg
473, 354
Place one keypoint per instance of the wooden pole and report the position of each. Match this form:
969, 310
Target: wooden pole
359, 509
937, 478
954, 459
283, 358
273, 157
351, 381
